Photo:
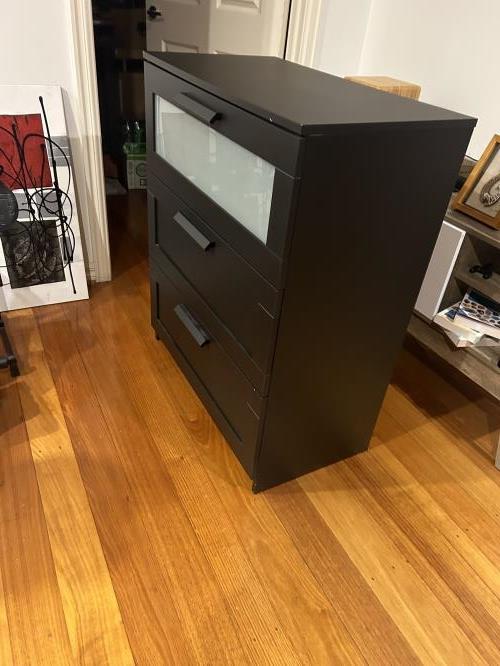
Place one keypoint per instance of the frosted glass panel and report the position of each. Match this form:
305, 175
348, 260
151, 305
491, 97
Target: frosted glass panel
236, 179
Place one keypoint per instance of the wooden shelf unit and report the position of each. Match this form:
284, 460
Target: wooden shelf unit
479, 245
477, 363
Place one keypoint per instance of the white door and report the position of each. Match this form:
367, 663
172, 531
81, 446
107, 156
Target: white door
249, 27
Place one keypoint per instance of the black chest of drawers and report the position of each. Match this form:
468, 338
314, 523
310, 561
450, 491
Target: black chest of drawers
292, 215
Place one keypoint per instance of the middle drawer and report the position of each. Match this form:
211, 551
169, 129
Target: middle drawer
242, 299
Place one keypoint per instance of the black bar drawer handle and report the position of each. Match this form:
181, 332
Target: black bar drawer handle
199, 335
194, 108
192, 231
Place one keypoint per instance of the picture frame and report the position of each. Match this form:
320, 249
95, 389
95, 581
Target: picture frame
480, 194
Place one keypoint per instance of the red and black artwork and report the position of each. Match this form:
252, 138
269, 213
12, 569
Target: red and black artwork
24, 162
35, 210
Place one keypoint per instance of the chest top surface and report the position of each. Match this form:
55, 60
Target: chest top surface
299, 99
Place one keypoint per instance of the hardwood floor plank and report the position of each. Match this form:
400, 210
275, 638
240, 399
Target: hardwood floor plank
311, 626
390, 564
450, 493
479, 479
37, 627
448, 525
217, 537
317, 632
142, 586
92, 615
266, 640
439, 541
131, 295
377, 636
5, 648
203, 612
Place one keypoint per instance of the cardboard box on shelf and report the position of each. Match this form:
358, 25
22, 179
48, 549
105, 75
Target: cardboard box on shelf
135, 152
136, 171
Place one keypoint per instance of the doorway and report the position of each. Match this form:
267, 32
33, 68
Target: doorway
122, 30
119, 40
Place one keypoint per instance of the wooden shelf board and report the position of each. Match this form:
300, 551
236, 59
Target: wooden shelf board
473, 227
490, 287
479, 364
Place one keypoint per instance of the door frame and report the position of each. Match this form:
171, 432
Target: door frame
90, 186
303, 31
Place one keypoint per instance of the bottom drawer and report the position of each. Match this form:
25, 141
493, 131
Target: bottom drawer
192, 338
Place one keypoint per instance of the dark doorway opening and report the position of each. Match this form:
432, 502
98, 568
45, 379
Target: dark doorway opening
120, 38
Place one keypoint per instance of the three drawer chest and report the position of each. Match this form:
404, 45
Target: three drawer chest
292, 215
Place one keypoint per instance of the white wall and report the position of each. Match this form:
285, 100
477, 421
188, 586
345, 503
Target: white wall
449, 47
37, 48
343, 26
36, 45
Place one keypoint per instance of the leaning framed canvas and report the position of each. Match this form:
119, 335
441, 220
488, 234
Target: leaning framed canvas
480, 194
41, 255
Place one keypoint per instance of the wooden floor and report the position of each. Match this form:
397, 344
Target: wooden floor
129, 533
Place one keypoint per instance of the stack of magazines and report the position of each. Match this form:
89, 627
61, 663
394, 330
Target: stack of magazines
473, 322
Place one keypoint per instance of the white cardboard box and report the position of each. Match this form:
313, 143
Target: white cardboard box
439, 270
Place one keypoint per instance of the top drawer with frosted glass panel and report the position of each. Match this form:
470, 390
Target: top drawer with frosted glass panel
238, 172
237, 180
